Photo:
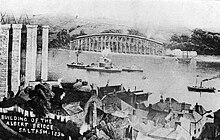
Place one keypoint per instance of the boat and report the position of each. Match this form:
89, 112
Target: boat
100, 69
184, 58
200, 88
77, 64
132, 69
104, 65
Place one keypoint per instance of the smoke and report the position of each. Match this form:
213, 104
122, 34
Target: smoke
105, 52
215, 77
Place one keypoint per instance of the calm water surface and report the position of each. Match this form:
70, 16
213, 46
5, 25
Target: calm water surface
164, 76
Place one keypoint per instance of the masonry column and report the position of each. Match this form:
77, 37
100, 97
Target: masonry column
4, 56
44, 70
16, 57
29, 61
3, 65
33, 53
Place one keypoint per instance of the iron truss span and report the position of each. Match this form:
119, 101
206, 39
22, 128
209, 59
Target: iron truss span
118, 43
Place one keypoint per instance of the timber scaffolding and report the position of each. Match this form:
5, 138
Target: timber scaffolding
18, 49
118, 43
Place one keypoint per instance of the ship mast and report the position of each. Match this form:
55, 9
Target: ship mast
201, 84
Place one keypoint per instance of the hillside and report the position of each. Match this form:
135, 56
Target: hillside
74, 25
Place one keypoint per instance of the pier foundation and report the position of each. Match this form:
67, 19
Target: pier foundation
16, 57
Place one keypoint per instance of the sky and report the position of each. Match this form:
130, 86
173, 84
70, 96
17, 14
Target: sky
187, 13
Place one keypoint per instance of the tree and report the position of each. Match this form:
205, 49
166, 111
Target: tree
175, 38
62, 40
135, 32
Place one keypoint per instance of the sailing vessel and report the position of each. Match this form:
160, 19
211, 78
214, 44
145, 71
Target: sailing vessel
77, 64
200, 88
184, 58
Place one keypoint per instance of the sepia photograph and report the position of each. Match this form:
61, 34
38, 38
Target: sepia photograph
109, 70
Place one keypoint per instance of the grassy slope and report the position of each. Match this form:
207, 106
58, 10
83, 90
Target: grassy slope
93, 26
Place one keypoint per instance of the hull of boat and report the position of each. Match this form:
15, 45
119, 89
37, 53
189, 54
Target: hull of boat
76, 66
184, 60
132, 70
103, 69
200, 89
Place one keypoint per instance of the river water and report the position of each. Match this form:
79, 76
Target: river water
164, 75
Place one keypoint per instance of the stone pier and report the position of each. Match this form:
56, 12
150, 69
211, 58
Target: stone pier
16, 57
4, 45
34, 53
30, 61
3, 65
44, 70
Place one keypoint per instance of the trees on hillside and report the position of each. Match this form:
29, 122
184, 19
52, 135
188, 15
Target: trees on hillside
61, 41
203, 42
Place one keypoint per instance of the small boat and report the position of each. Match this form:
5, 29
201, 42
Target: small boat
77, 64
132, 69
200, 88
104, 65
100, 69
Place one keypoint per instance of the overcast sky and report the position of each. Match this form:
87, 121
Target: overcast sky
199, 13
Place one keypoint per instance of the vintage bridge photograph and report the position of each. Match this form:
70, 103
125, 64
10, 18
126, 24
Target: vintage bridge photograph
109, 70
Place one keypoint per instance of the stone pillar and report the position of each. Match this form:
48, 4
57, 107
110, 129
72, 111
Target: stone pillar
3, 65
16, 57
4, 45
44, 68
29, 76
